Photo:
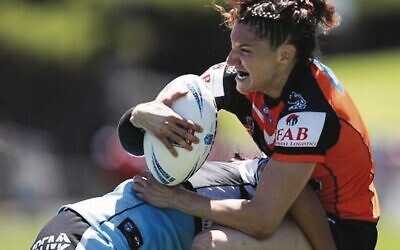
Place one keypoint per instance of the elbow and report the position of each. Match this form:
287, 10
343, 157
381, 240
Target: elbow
262, 234
262, 225
262, 231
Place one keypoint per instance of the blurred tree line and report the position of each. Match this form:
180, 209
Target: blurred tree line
55, 55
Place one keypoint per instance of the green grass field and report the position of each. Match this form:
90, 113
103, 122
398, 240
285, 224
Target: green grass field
372, 79
373, 82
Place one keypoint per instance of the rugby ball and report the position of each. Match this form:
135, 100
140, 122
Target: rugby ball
197, 105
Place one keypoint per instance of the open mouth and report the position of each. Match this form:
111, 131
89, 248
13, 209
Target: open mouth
242, 75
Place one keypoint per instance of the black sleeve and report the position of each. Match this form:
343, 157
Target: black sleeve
232, 100
226, 101
130, 137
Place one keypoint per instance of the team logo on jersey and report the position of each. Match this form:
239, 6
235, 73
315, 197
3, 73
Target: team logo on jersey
53, 242
300, 129
296, 102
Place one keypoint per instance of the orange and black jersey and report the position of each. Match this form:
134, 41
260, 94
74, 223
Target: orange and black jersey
314, 120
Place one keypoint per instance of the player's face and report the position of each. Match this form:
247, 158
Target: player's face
257, 64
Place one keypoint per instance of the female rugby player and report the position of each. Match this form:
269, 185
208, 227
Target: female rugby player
298, 113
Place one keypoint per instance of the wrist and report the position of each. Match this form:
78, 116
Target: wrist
186, 201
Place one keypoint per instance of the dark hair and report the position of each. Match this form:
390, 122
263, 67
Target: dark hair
299, 22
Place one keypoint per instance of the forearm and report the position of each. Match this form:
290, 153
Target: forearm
308, 213
235, 213
278, 188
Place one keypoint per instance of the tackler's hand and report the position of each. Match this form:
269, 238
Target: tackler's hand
151, 191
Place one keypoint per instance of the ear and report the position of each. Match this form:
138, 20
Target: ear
287, 53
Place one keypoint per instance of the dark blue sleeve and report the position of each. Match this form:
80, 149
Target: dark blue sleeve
130, 137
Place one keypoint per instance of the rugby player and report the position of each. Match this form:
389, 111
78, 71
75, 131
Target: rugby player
298, 113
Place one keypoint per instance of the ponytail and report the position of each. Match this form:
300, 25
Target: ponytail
326, 15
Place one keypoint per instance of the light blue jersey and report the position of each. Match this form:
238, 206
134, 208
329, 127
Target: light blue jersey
121, 220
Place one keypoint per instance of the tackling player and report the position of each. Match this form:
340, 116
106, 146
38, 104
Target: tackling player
121, 220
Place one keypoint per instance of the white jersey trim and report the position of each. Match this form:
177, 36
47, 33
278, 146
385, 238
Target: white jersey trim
214, 76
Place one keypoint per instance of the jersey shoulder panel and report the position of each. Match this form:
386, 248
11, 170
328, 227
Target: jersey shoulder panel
106, 205
221, 80
339, 98
213, 78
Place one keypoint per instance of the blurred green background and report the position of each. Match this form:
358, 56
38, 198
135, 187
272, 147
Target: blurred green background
69, 69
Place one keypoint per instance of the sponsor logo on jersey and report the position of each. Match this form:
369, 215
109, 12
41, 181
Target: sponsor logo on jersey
300, 129
296, 102
131, 233
52, 242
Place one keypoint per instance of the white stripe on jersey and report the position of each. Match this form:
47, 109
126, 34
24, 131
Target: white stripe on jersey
92, 239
